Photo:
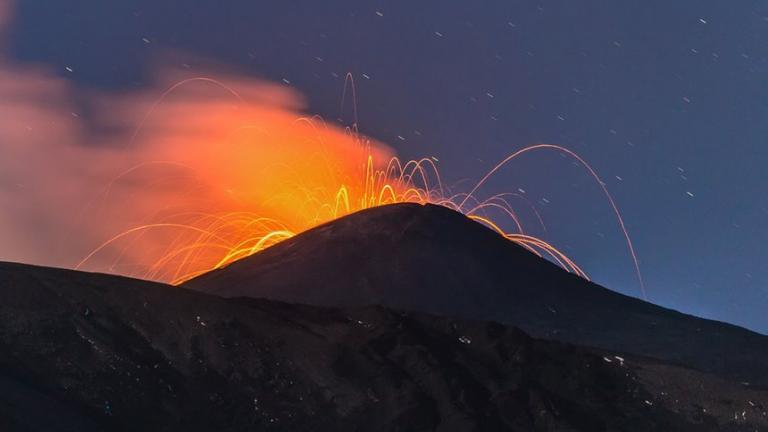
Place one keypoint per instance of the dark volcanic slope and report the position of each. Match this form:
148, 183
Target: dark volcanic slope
86, 352
432, 259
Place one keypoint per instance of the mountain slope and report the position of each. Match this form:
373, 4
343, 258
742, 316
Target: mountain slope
87, 352
432, 259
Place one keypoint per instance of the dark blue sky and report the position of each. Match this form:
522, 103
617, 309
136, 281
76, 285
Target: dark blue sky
667, 100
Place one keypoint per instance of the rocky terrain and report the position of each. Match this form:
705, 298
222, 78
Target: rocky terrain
91, 352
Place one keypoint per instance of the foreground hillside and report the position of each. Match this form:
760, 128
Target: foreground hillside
88, 352
435, 260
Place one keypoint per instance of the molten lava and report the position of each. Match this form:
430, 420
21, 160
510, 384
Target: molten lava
249, 175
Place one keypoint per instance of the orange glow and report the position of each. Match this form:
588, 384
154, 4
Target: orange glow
263, 174
209, 173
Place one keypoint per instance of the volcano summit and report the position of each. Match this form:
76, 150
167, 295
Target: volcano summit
432, 259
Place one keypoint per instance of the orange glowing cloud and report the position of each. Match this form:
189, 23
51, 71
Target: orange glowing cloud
186, 164
187, 153
214, 176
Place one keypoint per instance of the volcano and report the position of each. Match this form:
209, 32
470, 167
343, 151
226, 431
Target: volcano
431, 259
414, 318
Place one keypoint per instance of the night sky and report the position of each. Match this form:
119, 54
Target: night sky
667, 100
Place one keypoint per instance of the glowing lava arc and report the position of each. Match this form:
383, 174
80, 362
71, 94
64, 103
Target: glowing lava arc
317, 174
594, 175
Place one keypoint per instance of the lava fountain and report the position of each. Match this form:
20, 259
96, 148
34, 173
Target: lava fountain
249, 175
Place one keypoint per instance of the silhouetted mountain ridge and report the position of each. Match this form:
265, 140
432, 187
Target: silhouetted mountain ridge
89, 352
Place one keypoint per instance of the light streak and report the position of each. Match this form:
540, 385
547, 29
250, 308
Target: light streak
330, 176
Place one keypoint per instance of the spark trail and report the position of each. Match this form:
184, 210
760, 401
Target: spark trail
268, 174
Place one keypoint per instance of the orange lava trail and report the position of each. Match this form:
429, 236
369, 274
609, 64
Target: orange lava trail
170, 90
307, 173
599, 182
